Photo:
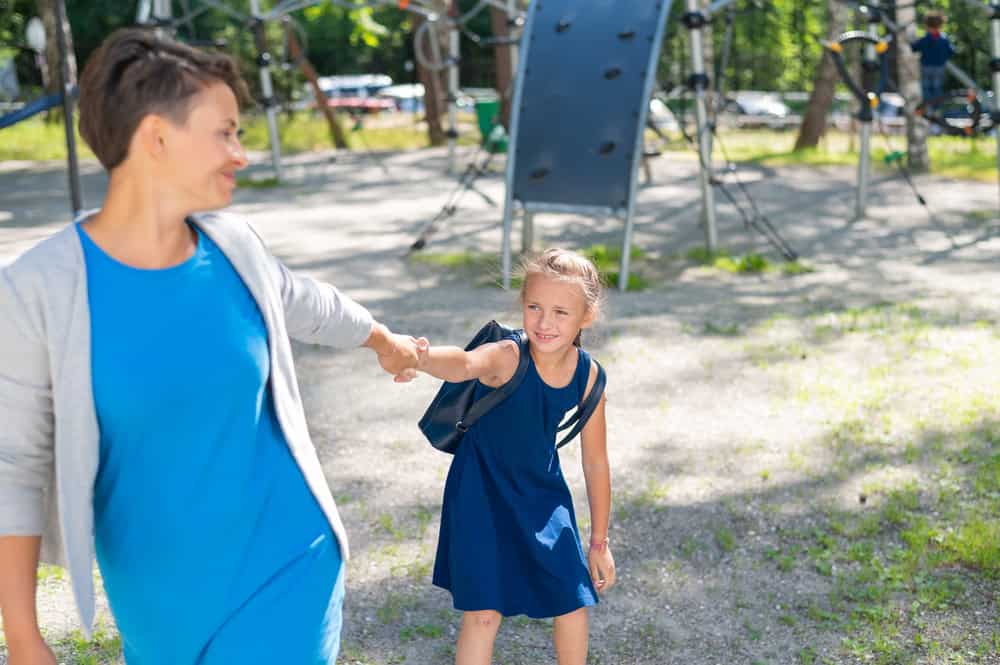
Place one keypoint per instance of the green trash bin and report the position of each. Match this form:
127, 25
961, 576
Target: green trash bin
492, 131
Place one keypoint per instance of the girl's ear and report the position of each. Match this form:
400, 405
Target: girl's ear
589, 317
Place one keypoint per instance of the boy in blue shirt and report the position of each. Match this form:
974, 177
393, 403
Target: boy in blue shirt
935, 50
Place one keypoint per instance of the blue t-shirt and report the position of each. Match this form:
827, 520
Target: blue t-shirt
198, 501
934, 51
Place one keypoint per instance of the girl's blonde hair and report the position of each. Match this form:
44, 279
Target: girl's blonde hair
567, 266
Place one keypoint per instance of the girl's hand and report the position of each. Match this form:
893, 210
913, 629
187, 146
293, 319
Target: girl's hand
602, 567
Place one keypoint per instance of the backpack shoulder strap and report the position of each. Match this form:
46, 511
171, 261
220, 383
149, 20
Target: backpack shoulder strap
482, 406
586, 407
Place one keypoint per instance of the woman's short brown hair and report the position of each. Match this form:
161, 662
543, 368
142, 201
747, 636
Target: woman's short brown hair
134, 73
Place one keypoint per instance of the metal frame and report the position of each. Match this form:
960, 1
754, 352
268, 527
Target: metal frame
162, 16
72, 161
531, 207
993, 11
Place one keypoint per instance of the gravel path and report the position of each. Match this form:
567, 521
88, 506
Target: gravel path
729, 396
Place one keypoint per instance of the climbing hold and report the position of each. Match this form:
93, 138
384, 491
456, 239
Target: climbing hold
626, 35
613, 73
894, 156
563, 25
607, 147
538, 174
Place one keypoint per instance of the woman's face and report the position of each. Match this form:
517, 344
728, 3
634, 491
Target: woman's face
203, 155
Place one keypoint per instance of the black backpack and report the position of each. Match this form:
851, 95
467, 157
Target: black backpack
454, 409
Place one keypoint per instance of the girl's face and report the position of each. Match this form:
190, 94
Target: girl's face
204, 154
554, 312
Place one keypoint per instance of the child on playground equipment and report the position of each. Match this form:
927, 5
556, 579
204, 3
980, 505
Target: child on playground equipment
935, 50
509, 542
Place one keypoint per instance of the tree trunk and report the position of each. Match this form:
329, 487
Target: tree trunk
295, 51
821, 98
435, 91
504, 63
908, 73
53, 83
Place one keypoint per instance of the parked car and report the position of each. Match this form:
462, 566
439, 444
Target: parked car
766, 104
661, 117
355, 93
407, 96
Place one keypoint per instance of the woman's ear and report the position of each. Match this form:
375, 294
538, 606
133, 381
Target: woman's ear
149, 138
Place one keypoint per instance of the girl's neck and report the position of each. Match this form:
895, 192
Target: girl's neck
553, 360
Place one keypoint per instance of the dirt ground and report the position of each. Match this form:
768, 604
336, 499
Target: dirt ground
762, 427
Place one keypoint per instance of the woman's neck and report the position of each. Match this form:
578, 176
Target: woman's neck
139, 226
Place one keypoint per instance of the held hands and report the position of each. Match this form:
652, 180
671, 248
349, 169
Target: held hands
419, 347
397, 354
602, 566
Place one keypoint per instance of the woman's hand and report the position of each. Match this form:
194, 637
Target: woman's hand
602, 566
397, 354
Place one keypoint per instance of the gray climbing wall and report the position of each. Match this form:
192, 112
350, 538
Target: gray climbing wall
580, 100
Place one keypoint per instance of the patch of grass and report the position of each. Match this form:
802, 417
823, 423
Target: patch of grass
104, 647
721, 329
258, 183
807, 656
49, 573
726, 539
427, 630
308, 131
36, 139
955, 157
388, 524
753, 634
394, 606
457, 260
607, 260
912, 551
748, 264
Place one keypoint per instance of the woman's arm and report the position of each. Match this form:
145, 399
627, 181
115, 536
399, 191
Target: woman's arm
597, 472
493, 364
18, 570
26, 458
318, 313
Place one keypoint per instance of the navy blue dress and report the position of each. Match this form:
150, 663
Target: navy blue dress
509, 540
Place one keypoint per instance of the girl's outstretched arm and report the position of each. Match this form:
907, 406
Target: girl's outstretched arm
493, 364
597, 472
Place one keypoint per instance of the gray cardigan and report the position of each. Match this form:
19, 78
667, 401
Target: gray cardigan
48, 427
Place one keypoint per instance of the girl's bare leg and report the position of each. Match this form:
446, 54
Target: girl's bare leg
569, 632
476, 637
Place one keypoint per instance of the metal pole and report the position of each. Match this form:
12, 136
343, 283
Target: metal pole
995, 67
162, 13
67, 105
515, 120
864, 161
695, 20
454, 55
267, 87
513, 48
528, 233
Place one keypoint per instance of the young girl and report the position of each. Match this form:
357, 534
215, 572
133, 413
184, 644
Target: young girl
509, 543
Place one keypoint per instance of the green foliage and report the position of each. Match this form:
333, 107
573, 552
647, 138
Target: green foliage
607, 259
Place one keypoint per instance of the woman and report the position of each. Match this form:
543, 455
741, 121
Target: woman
151, 412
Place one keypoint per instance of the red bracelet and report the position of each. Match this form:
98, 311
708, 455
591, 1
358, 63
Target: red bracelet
600, 545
